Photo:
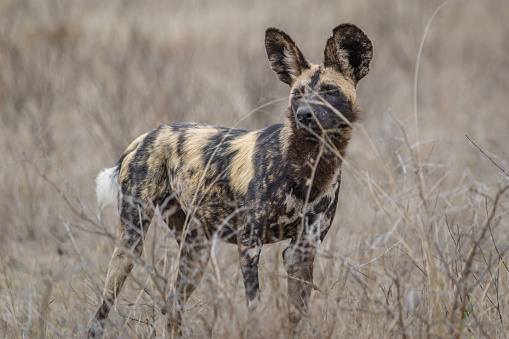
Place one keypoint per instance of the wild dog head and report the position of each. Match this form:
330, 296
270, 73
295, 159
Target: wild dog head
322, 97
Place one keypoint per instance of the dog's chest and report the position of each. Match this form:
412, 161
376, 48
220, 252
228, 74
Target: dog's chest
285, 221
320, 204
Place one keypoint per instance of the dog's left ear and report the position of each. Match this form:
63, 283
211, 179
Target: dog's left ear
285, 57
349, 51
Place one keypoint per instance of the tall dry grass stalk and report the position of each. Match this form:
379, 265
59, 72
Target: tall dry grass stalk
419, 245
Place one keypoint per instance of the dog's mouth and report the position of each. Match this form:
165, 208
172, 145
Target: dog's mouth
314, 130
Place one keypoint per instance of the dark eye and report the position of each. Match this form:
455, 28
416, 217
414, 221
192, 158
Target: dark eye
299, 93
330, 90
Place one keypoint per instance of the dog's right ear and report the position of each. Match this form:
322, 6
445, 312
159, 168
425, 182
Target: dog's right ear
285, 57
349, 51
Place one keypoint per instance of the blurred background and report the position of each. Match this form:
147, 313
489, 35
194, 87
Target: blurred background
80, 80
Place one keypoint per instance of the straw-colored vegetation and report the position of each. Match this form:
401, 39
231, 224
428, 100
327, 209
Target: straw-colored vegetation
419, 244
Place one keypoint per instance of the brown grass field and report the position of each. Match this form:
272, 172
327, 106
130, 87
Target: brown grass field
420, 240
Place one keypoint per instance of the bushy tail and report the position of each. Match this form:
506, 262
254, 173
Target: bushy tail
107, 187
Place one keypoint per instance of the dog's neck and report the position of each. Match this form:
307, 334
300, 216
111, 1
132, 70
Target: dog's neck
311, 158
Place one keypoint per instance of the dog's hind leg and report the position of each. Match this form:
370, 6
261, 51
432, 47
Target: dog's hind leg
194, 256
134, 222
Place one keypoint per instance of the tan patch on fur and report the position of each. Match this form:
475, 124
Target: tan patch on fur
189, 178
242, 170
196, 140
166, 137
166, 142
135, 143
118, 270
329, 75
284, 137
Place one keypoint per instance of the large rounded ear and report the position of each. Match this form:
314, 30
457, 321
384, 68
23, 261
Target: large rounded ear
349, 51
285, 57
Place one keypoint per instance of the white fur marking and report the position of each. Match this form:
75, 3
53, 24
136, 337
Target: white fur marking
107, 187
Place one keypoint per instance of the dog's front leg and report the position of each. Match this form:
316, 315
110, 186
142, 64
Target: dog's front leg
250, 246
298, 259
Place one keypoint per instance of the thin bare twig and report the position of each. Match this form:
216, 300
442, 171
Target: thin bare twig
487, 156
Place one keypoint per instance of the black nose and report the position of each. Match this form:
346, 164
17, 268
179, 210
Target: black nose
304, 115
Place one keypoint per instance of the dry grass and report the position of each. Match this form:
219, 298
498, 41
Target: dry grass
419, 245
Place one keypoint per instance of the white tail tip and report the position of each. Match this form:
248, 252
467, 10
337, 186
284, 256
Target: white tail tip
107, 187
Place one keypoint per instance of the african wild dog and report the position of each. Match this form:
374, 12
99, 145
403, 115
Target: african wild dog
249, 188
